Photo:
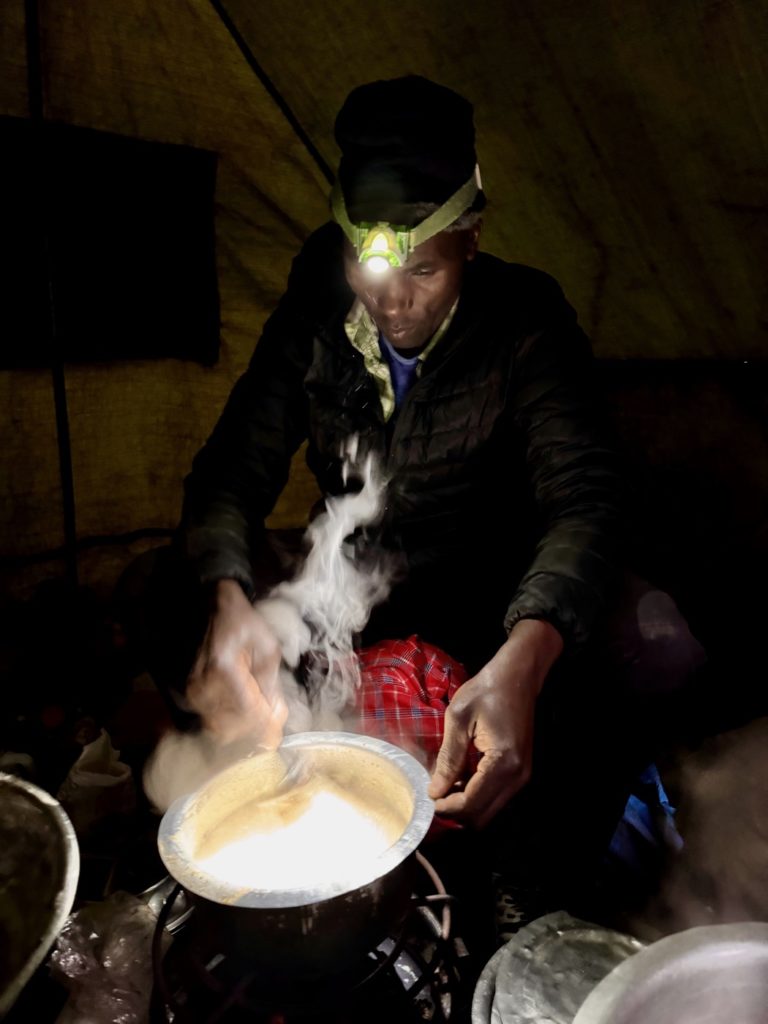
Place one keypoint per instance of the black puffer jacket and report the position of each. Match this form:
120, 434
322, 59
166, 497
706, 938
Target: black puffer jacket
503, 494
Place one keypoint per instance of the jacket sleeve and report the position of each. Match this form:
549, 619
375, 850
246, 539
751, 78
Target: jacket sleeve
577, 486
238, 475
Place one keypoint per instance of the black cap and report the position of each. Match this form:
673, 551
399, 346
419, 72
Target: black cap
403, 141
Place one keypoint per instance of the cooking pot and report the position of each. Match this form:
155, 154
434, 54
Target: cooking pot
310, 926
708, 975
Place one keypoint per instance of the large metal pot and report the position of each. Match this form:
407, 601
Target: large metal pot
304, 929
710, 975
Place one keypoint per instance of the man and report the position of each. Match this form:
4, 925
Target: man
471, 379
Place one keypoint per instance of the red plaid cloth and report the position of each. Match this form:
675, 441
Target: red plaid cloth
406, 687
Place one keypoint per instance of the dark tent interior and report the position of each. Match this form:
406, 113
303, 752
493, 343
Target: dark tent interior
163, 163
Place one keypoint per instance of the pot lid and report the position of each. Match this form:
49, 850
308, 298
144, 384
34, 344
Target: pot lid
545, 971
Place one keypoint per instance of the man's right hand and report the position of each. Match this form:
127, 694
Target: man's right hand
234, 684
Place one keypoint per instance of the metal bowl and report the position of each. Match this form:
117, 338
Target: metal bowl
707, 975
313, 927
39, 868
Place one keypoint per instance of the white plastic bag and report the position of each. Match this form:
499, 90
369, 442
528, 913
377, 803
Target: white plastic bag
98, 785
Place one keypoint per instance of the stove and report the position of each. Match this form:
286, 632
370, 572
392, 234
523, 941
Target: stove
415, 975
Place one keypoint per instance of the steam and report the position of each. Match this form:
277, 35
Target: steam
315, 617
318, 614
183, 761
720, 874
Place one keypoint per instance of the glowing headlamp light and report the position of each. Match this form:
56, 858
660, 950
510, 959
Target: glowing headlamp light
381, 246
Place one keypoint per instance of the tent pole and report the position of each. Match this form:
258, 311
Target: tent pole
58, 379
273, 91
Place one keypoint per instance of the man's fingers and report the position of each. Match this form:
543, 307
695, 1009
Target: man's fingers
232, 703
465, 808
473, 800
451, 758
497, 779
226, 727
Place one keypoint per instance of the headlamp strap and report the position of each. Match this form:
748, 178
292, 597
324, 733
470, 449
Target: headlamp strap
438, 221
450, 211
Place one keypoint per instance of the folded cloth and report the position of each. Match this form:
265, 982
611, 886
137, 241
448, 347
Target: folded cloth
406, 687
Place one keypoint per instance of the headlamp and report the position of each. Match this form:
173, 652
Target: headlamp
381, 246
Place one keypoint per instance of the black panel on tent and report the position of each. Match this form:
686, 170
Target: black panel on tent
127, 229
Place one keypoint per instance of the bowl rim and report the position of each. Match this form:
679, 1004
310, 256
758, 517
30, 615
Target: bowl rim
206, 886
65, 897
660, 958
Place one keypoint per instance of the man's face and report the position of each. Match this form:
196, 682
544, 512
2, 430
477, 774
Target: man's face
409, 303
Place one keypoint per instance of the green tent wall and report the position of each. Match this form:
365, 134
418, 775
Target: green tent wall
622, 146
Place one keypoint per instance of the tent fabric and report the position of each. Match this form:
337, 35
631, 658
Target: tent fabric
170, 73
622, 147
121, 231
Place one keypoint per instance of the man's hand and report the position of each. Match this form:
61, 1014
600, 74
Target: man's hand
234, 684
494, 711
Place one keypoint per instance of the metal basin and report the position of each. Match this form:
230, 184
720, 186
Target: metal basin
712, 975
39, 868
307, 927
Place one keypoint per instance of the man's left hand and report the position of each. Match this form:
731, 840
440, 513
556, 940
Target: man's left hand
494, 711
